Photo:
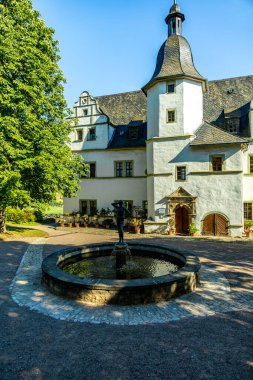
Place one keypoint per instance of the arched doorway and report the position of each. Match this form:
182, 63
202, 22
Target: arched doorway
215, 224
182, 220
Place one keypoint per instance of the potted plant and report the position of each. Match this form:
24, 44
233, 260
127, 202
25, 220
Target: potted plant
70, 222
107, 223
136, 223
77, 220
61, 222
247, 227
192, 229
85, 220
94, 220
171, 224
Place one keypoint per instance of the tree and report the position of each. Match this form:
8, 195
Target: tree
35, 156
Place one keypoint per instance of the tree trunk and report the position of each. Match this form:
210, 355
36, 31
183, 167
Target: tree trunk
2, 221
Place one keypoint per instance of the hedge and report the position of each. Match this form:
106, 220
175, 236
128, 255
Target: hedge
19, 216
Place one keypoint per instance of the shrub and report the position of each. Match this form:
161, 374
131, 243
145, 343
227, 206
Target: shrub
192, 228
19, 216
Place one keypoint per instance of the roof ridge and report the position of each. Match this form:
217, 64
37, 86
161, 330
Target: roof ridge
118, 93
140, 90
180, 60
224, 79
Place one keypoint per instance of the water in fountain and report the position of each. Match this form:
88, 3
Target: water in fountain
121, 264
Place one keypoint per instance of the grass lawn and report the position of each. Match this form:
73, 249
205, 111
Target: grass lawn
16, 231
54, 210
22, 224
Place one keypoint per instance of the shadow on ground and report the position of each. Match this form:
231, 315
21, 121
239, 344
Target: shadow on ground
219, 347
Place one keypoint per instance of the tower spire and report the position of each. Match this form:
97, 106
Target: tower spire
174, 20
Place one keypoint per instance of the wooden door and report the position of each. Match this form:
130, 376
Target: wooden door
182, 221
221, 225
215, 224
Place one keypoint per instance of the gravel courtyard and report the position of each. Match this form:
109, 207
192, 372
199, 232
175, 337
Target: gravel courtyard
219, 346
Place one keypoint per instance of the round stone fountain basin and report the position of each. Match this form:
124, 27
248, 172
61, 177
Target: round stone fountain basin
115, 291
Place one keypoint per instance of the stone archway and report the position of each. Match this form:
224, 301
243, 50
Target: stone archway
215, 224
182, 209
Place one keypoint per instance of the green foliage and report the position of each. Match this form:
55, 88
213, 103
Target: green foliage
135, 222
54, 210
18, 216
192, 228
171, 223
248, 223
35, 159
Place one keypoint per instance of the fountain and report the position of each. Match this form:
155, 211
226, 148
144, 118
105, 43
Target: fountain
122, 274
106, 279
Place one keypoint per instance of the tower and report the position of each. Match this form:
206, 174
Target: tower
175, 91
174, 20
174, 112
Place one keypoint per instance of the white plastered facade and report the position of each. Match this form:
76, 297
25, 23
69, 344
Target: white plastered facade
154, 167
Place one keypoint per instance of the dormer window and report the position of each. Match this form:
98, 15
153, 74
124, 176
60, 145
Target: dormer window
171, 88
232, 124
133, 133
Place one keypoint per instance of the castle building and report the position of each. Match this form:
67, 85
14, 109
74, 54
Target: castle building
181, 147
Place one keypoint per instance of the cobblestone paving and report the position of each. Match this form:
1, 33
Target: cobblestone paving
212, 296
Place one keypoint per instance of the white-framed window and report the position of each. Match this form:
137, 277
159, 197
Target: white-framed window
79, 135
217, 163
171, 88
250, 164
85, 112
88, 207
92, 169
181, 173
91, 134
171, 116
248, 210
123, 168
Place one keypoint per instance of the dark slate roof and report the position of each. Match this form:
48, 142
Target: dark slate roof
229, 96
123, 108
121, 138
225, 98
209, 134
232, 95
174, 59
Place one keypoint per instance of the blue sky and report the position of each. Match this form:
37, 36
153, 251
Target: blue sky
110, 46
